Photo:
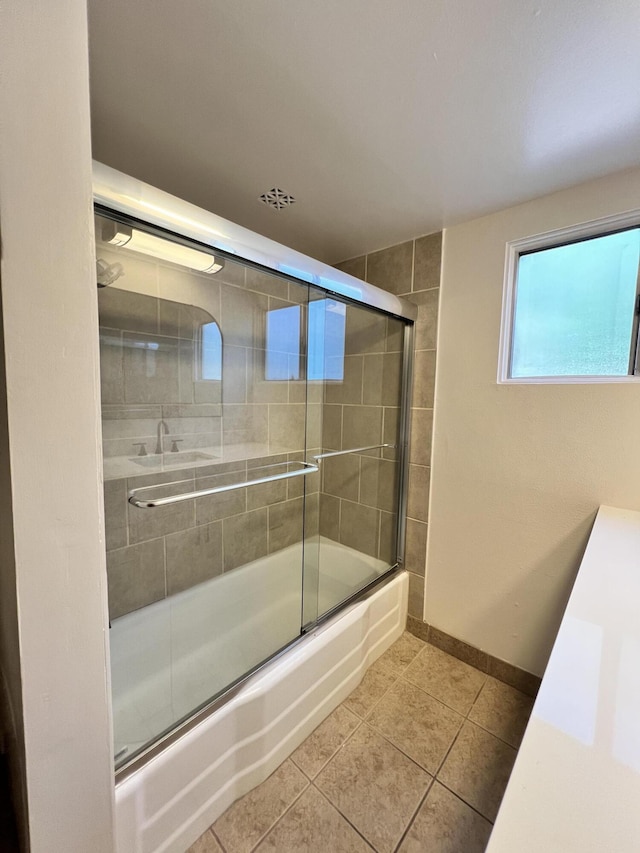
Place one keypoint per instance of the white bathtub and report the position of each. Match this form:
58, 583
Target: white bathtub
166, 660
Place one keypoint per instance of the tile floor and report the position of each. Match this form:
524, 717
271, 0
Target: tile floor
415, 759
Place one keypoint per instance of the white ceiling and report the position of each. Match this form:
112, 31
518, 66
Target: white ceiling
386, 120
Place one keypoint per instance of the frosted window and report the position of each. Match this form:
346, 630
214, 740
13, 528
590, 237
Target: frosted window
283, 343
211, 341
574, 308
325, 341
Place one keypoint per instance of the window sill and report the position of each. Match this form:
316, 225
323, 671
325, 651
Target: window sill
571, 380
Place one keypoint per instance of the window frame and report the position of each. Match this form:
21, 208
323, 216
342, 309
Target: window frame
550, 240
303, 366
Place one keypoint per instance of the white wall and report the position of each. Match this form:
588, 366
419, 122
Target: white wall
518, 470
54, 565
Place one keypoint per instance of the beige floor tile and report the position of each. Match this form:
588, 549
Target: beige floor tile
448, 679
402, 652
317, 749
249, 818
375, 786
502, 710
205, 844
310, 826
417, 724
478, 769
445, 824
377, 680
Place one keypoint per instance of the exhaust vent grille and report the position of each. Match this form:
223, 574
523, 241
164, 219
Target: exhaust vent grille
277, 198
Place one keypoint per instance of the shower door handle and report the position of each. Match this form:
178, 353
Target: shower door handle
151, 503
322, 456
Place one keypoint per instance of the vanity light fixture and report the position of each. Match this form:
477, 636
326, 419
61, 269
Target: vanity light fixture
118, 234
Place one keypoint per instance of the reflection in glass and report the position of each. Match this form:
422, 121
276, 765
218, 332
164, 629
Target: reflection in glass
203, 590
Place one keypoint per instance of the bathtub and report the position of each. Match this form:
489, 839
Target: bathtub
166, 661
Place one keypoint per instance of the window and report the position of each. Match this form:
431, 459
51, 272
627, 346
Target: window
283, 343
325, 341
574, 308
210, 351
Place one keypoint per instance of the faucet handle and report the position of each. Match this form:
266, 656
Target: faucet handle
174, 445
143, 447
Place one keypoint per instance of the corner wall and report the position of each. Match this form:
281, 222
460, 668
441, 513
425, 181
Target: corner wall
518, 470
412, 270
53, 648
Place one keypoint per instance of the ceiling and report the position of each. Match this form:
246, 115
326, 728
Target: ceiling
385, 120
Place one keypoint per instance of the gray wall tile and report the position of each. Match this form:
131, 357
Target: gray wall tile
395, 335
214, 507
115, 513
267, 493
388, 548
136, 576
391, 268
287, 427
245, 538
424, 379
361, 426
242, 315
234, 374
428, 261
123, 309
151, 368
418, 497
416, 546
150, 523
341, 477
111, 366
193, 556
382, 382
285, 524
332, 427
330, 517
245, 424
421, 429
269, 284
365, 331
349, 390
416, 596
426, 327
354, 266
359, 527
311, 517
378, 483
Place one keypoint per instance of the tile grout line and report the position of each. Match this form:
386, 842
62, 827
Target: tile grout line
462, 800
415, 814
333, 754
398, 676
213, 832
344, 817
286, 811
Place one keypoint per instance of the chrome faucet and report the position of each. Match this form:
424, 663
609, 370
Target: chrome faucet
161, 425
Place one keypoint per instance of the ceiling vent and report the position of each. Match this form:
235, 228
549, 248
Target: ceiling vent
277, 198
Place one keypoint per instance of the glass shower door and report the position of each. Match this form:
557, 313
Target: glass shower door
355, 393
204, 400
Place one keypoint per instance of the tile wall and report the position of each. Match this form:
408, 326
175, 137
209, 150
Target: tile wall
150, 372
412, 270
358, 498
150, 332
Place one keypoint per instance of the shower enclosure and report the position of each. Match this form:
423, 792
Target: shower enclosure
254, 439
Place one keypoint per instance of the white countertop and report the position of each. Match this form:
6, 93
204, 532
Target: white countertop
575, 785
